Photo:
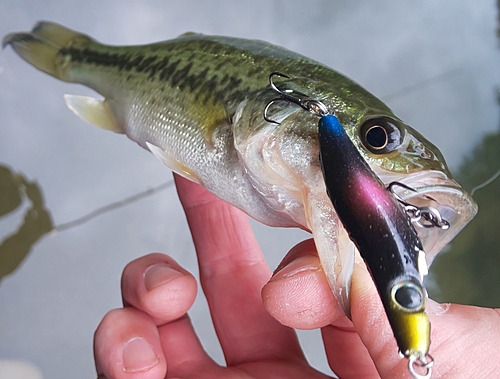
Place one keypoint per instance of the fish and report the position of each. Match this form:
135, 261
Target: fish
199, 104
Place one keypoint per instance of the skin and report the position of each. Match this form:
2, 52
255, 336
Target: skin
250, 308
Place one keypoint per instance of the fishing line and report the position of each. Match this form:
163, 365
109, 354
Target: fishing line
424, 83
110, 207
484, 184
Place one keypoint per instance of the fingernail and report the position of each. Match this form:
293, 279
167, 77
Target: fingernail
305, 263
138, 355
159, 274
434, 308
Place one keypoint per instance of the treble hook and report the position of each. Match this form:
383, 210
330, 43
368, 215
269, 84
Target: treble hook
426, 217
313, 106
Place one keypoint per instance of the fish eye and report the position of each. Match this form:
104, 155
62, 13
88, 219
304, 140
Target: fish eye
380, 135
408, 296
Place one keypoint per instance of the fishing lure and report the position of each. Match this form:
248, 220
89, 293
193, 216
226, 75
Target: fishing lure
379, 226
385, 238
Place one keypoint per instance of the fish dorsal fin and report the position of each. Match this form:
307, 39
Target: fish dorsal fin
172, 163
93, 111
189, 34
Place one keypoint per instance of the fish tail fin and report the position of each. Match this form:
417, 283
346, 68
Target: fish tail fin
42, 46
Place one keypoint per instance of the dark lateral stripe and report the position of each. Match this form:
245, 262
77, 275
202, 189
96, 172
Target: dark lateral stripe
204, 83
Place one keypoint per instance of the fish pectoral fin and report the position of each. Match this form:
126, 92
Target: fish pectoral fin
93, 111
336, 251
172, 163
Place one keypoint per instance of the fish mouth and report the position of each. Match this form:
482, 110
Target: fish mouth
434, 190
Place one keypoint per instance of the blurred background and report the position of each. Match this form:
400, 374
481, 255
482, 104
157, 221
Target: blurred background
436, 64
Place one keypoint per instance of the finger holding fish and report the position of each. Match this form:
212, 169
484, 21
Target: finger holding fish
460, 351
363, 348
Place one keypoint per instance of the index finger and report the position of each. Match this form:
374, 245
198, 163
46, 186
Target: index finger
233, 272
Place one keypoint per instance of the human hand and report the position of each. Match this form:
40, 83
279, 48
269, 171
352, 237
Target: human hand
152, 337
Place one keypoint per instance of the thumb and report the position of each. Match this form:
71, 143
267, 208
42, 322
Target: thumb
298, 294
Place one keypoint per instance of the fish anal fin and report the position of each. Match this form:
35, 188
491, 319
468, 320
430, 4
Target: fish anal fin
93, 111
172, 163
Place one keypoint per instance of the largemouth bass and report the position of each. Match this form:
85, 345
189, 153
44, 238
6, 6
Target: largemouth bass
197, 102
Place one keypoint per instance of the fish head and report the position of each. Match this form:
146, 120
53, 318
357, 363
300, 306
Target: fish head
396, 153
420, 177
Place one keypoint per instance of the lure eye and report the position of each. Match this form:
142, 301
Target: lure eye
408, 296
380, 135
